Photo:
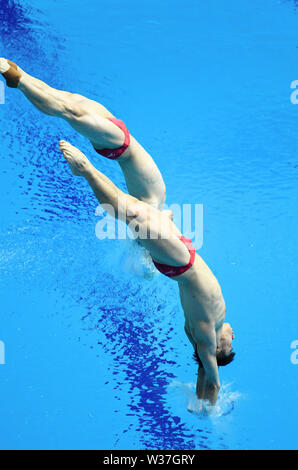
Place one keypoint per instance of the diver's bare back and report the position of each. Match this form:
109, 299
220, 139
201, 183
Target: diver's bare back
202, 300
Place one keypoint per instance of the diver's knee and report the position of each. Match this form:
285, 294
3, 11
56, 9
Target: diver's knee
163, 195
169, 214
71, 108
159, 200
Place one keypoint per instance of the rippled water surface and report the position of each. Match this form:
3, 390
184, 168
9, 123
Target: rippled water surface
96, 357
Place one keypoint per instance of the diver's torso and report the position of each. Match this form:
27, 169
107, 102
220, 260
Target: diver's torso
201, 298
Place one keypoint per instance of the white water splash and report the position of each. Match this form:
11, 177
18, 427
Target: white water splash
226, 402
137, 261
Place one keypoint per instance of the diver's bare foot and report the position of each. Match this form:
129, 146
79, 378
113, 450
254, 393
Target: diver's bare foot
79, 164
10, 72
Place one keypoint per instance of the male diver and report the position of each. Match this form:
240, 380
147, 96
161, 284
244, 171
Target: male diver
171, 253
175, 257
108, 135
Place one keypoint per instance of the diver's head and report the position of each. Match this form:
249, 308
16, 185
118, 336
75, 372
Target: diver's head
224, 352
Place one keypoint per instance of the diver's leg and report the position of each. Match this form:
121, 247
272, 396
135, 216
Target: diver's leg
105, 191
142, 176
87, 117
150, 225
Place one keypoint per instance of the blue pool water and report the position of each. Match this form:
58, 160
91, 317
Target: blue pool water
95, 357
